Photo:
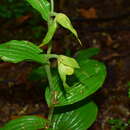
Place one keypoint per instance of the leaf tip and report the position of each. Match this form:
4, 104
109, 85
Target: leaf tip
80, 42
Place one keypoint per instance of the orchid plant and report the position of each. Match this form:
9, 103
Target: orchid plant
71, 82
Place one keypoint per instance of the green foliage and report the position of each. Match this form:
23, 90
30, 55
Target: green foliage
64, 21
87, 53
37, 73
17, 51
74, 118
128, 89
128, 84
13, 8
26, 123
51, 31
92, 74
38, 31
90, 77
70, 86
118, 124
42, 6
68, 61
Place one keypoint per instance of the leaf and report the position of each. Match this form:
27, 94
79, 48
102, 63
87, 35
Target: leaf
65, 22
16, 51
78, 118
91, 76
50, 33
26, 123
87, 53
42, 6
91, 73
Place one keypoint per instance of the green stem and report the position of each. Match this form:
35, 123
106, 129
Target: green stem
49, 48
51, 111
50, 56
48, 70
52, 6
49, 75
47, 67
51, 107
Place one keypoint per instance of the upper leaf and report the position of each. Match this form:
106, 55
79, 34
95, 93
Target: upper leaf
16, 51
51, 31
42, 6
79, 117
26, 123
65, 22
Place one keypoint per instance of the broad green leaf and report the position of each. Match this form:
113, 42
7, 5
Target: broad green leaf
79, 117
65, 22
91, 76
91, 73
87, 53
16, 51
26, 123
66, 66
50, 33
42, 6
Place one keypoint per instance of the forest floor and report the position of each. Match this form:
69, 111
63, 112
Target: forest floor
102, 24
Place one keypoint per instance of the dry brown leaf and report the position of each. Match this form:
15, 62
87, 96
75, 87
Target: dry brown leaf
22, 19
90, 13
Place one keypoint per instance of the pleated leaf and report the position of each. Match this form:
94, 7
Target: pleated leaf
42, 6
26, 123
91, 76
80, 118
16, 51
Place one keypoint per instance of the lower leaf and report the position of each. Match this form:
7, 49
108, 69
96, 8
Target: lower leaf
79, 118
26, 123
